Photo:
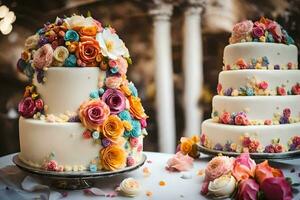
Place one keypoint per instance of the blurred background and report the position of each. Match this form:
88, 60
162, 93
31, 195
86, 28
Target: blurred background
211, 20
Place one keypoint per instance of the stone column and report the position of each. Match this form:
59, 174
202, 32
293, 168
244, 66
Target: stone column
164, 76
193, 66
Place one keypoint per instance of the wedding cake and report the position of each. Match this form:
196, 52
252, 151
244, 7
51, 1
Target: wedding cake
79, 112
257, 108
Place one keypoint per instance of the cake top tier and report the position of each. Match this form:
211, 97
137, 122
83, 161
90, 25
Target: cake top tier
75, 41
263, 30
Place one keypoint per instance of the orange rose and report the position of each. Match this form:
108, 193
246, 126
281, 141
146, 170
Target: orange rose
113, 127
113, 157
264, 170
136, 108
87, 51
125, 89
186, 145
88, 31
93, 113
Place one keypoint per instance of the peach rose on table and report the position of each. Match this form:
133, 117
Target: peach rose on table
113, 127
264, 170
43, 57
241, 31
113, 157
93, 113
180, 162
243, 167
217, 167
136, 108
87, 51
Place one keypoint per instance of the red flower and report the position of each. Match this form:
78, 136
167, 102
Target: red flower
281, 91
241, 119
219, 88
27, 107
52, 165
87, 134
247, 190
242, 63
225, 118
39, 104
263, 85
296, 89
277, 188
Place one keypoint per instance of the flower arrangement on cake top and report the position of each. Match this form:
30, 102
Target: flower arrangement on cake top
241, 178
263, 30
75, 41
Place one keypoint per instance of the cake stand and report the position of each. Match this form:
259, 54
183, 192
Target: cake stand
73, 180
256, 156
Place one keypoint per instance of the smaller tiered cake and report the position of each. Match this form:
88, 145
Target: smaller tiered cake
257, 108
79, 112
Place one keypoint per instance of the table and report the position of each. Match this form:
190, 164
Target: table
176, 187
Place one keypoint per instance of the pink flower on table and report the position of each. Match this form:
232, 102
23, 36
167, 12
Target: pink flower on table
43, 57
277, 188
241, 119
225, 118
27, 107
281, 91
263, 85
93, 113
115, 100
247, 190
52, 165
241, 31
180, 162
296, 89
217, 167
243, 167
257, 31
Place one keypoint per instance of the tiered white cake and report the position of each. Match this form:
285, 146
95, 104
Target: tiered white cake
80, 112
257, 107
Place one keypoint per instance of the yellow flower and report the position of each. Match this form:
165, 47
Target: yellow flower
113, 127
113, 157
186, 145
136, 108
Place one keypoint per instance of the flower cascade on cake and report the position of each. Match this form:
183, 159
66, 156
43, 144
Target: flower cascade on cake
241, 178
113, 115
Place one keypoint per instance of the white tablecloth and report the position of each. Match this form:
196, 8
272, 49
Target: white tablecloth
175, 188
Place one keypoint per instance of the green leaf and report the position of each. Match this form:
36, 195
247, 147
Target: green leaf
89, 14
129, 61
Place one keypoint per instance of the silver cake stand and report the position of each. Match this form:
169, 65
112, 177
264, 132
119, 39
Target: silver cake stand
256, 156
73, 180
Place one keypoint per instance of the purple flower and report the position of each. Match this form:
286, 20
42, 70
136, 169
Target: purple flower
228, 92
257, 32
276, 67
218, 147
284, 120
74, 119
27, 107
287, 112
277, 188
115, 100
105, 142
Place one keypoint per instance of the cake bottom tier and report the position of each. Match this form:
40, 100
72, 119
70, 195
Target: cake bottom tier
63, 146
259, 138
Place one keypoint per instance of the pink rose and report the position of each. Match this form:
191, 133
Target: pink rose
115, 100
243, 167
287, 112
93, 113
112, 63
143, 122
263, 85
275, 29
225, 118
43, 57
281, 91
241, 119
219, 88
113, 82
39, 104
296, 89
134, 142
180, 162
241, 31
122, 65
130, 161
27, 107
261, 25
140, 148
247, 190
217, 167
258, 31
52, 165
277, 188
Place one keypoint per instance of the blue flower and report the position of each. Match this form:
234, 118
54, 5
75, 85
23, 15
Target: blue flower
93, 167
101, 91
249, 91
133, 89
71, 35
136, 129
70, 61
114, 70
125, 115
95, 135
265, 61
270, 38
94, 94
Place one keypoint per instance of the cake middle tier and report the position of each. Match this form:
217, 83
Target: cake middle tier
256, 110
66, 88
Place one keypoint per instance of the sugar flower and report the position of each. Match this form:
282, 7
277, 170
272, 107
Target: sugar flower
217, 167
32, 41
71, 35
93, 113
43, 57
180, 162
112, 127
88, 49
248, 190
113, 82
60, 54
135, 131
115, 99
113, 157
222, 187
70, 61
27, 107
277, 188
243, 167
264, 170
130, 187
136, 108
111, 45
77, 21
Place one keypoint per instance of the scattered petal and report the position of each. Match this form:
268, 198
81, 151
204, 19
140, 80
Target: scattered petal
162, 183
94, 192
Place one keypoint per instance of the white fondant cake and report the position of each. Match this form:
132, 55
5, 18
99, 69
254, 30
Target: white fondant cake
79, 112
257, 107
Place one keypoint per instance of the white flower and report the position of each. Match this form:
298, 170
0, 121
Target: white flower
222, 187
79, 21
130, 187
32, 41
111, 45
60, 54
